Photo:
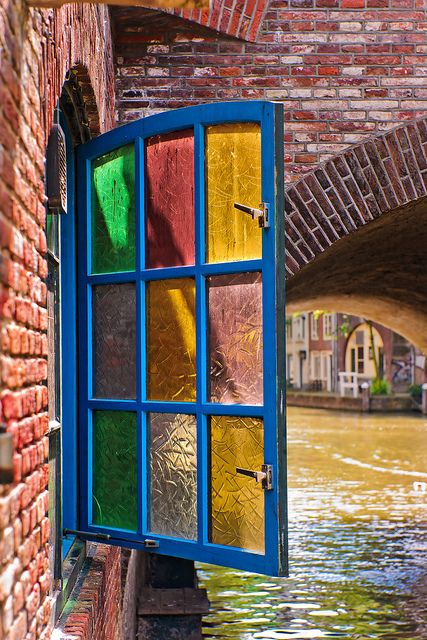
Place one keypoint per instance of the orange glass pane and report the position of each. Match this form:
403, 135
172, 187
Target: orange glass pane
233, 174
171, 340
237, 501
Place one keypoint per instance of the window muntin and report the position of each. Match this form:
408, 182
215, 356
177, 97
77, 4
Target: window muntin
173, 341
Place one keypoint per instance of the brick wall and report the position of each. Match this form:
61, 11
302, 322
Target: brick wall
95, 609
37, 48
345, 69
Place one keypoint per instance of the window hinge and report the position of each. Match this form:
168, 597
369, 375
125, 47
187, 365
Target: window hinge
54, 425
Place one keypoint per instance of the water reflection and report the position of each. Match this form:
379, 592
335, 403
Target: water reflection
358, 543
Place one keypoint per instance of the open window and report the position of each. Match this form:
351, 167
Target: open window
181, 346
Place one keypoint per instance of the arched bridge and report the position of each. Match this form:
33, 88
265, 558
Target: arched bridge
356, 233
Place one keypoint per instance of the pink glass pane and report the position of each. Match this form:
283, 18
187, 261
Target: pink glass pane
169, 167
235, 338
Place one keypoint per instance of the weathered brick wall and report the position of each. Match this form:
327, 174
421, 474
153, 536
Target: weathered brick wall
37, 48
95, 614
345, 70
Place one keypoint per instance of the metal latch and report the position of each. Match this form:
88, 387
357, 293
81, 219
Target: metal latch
265, 476
262, 214
151, 544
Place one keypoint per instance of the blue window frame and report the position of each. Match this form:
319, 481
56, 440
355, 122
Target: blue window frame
62, 383
101, 418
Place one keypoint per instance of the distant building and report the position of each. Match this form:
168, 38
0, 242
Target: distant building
297, 346
321, 345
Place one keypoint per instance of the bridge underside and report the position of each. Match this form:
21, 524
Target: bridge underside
378, 271
356, 233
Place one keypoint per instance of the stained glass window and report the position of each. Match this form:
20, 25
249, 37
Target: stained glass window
173, 475
171, 340
114, 341
113, 211
233, 174
180, 384
169, 189
237, 501
235, 338
115, 491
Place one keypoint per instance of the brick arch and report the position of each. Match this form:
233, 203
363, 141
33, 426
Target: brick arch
78, 93
237, 18
356, 233
352, 189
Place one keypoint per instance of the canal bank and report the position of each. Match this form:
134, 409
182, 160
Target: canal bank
398, 403
357, 532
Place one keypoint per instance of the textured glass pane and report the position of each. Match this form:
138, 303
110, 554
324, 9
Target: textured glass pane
113, 211
235, 338
115, 469
233, 168
114, 341
173, 466
170, 199
171, 340
237, 501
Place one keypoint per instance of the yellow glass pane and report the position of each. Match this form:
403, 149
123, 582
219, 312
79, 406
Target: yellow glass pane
171, 340
233, 174
237, 501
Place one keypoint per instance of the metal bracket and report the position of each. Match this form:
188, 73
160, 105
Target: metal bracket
151, 544
265, 476
262, 214
87, 534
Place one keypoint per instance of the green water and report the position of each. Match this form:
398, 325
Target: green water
358, 538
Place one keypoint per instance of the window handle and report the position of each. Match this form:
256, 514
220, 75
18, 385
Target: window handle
265, 476
262, 214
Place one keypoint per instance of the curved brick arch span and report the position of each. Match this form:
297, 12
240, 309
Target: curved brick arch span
237, 18
356, 231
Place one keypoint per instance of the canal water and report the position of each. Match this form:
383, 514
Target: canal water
358, 538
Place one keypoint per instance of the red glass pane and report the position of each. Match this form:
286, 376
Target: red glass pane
169, 168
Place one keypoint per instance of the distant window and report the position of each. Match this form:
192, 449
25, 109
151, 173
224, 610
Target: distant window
299, 328
290, 371
315, 366
289, 328
314, 328
360, 360
353, 360
360, 337
327, 326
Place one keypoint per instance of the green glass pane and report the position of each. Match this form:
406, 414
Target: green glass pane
113, 211
115, 469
